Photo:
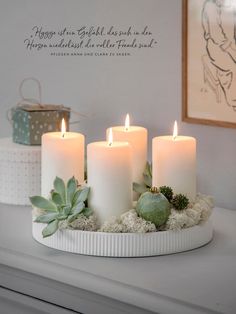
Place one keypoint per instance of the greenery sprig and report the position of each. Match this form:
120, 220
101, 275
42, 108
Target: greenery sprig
179, 201
145, 186
66, 202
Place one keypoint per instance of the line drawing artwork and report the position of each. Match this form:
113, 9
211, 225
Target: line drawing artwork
218, 19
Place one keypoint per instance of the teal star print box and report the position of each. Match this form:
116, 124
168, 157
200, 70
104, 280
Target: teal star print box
30, 122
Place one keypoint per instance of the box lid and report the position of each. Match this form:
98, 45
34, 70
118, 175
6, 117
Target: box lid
42, 107
13, 152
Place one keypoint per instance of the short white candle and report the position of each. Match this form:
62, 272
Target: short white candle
136, 136
109, 169
62, 156
174, 163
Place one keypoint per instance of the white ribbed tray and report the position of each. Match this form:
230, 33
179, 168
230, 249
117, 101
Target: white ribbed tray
126, 244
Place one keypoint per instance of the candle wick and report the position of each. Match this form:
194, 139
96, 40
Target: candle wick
63, 135
109, 144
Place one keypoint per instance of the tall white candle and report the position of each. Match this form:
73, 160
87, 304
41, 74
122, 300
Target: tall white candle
109, 169
174, 163
136, 136
62, 156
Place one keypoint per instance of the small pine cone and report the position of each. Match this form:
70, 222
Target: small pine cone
167, 192
180, 202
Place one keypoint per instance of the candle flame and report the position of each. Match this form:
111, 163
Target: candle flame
110, 137
127, 122
175, 132
63, 127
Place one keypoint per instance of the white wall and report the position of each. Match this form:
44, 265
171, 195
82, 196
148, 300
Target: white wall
147, 85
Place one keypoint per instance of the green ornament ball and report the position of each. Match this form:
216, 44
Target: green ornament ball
153, 206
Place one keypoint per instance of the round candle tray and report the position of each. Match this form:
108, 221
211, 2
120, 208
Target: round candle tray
126, 244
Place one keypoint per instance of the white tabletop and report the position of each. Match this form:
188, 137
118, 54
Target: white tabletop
198, 281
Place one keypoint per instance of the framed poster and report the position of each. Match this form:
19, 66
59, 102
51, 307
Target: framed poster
209, 62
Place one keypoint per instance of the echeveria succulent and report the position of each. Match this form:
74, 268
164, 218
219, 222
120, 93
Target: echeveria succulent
66, 202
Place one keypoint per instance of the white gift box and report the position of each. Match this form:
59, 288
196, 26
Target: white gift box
20, 172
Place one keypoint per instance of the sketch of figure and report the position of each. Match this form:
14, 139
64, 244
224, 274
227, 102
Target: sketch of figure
219, 62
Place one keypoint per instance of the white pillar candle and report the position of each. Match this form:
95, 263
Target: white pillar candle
109, 169
174, 163
62, 156
136, 136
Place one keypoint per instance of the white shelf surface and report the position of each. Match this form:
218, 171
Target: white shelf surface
197, 281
